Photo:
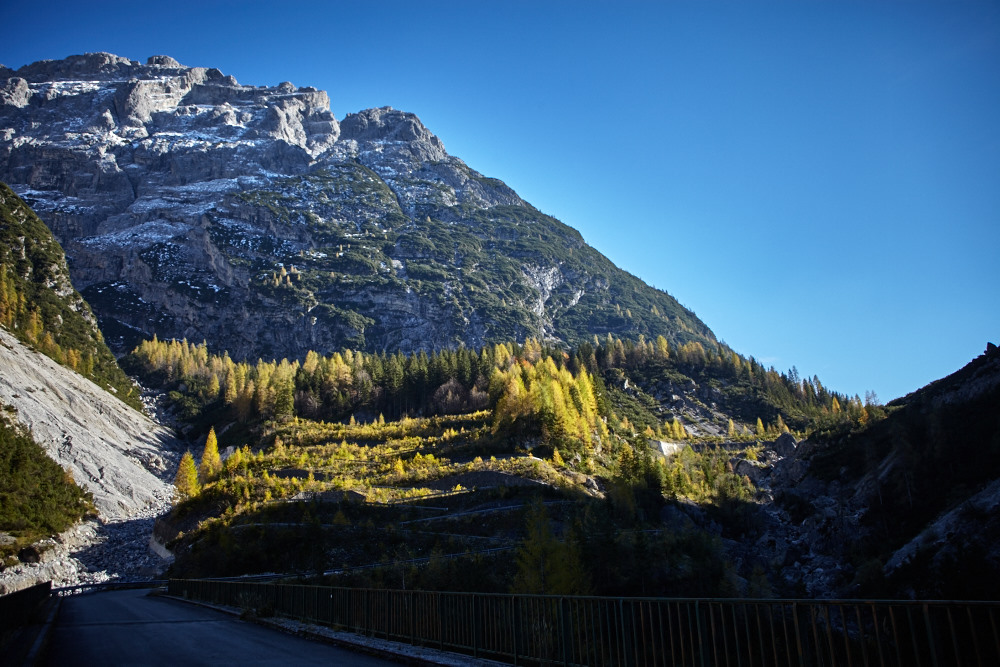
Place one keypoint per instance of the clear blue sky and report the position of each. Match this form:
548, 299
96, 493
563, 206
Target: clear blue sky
819, 182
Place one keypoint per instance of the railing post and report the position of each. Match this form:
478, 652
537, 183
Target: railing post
701, 641
412, 618
350, 610
930, 635
627, 646
515, 613
798, 636
475, 627
564, 626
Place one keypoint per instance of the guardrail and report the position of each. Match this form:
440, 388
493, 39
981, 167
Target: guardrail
553, 630
111, 585
17, 608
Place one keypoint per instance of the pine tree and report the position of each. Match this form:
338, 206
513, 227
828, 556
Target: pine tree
186, 482
211, 462
557, 458
781, 426
212, 392
545, 565
232, 391
760, 428
731, 431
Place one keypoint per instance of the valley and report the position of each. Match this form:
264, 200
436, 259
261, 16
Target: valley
393, 372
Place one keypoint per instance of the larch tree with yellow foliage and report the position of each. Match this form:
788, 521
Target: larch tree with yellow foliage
186, 481
211, 462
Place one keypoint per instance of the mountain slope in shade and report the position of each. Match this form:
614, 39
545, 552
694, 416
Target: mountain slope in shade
39, 305
908, 504
192, 206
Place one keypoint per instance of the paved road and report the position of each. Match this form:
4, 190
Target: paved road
132, 628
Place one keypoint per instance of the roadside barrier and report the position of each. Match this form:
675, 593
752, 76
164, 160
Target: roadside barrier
569, 630
16, 608
110, 585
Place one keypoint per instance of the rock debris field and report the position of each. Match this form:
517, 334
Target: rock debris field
124, 458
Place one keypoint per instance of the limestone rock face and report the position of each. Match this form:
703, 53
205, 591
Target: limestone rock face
192, 206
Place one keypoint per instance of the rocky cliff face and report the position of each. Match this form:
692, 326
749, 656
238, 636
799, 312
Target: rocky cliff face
192, 206
904, 508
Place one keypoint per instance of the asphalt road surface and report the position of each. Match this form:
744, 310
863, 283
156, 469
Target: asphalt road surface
133, 628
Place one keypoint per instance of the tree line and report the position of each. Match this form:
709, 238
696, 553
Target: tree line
528, 388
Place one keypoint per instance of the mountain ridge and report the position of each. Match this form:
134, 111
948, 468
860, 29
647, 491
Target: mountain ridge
191, 206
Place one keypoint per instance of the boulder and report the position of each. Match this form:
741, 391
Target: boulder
755, 470
162, 61
667, 448
785, 445
29, 554
15, 92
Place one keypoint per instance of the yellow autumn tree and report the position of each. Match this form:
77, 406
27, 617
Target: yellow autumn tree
211, 462
186, 481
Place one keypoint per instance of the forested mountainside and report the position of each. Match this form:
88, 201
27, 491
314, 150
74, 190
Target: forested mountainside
660, 471
634, 440
40, 306
249, 217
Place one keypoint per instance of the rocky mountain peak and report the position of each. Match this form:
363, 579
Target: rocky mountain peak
162, 61
88, 66
110, 99
184, 200
386, 124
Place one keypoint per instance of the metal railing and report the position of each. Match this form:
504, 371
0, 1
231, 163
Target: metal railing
543, 630
110, 585
17, 608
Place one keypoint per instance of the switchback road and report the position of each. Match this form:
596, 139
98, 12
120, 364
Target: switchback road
133, 628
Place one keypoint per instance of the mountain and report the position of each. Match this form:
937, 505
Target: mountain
39, 304
192, 206
904, 506
70, 416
